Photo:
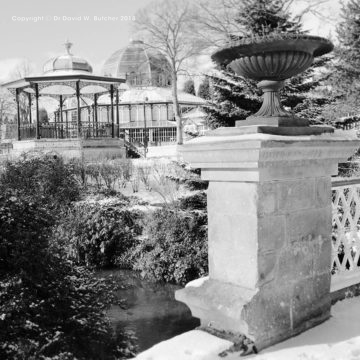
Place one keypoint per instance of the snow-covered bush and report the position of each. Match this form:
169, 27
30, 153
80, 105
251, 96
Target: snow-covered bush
106, 175
174, 246
188, 176
196, 201
49, 308
99, 234
46, 178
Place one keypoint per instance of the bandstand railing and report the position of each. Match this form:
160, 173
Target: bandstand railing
68, 130
345, 258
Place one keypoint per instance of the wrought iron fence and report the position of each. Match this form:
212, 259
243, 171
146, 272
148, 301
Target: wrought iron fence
27, 131
345, 259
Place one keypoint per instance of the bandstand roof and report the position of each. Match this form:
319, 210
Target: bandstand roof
67, 62
61, 76
64, 84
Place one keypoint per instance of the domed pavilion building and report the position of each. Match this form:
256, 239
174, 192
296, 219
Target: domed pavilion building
145, 103
140, 65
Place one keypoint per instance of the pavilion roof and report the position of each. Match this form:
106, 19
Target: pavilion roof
154, 95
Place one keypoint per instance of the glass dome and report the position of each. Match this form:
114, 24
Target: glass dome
67, 63
140, 64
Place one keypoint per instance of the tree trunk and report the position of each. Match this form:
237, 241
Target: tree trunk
179, 132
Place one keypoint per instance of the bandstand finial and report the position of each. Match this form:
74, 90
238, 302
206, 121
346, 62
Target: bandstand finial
68, 44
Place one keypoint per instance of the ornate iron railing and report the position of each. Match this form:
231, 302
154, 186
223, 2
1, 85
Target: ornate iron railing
67, 130
345, 260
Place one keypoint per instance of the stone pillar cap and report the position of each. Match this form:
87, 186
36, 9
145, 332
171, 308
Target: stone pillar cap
235, 148
255, 152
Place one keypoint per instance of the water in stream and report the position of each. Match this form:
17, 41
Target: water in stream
152, 312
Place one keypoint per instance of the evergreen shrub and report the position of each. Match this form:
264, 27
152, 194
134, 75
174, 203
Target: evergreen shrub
174, 246
49, 308
45, 178
100, 234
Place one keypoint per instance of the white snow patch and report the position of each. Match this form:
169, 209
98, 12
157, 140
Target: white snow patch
336, 135
335, 339
197, 282
192, 345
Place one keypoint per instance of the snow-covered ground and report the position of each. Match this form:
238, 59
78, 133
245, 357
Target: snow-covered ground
336, 339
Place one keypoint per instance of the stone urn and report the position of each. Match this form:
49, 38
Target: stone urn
271, 60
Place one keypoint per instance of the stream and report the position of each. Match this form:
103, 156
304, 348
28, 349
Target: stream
152, 312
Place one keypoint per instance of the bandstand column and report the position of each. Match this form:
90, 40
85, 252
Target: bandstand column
117, 114
67, 124
18, 114
96, 114
37, 111
78, 109
269, 231
89, 122
112, 110
30, 103
93, 119
61, 117
56, 116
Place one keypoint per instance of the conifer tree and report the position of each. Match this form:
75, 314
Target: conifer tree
233, 98
262, 17
189, 87
204, 89
345, 69
306, 94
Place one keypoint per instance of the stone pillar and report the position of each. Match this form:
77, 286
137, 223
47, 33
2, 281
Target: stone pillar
269, 212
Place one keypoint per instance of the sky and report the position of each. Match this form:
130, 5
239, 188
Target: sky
36, 30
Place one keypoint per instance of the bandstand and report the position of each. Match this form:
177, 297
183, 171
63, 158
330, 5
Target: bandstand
65, 77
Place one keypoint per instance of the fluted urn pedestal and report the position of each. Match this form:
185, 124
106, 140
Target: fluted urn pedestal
269, 206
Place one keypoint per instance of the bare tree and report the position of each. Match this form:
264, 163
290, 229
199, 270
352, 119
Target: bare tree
23, 69
168, 26
216, 20
7, 106
317, 8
